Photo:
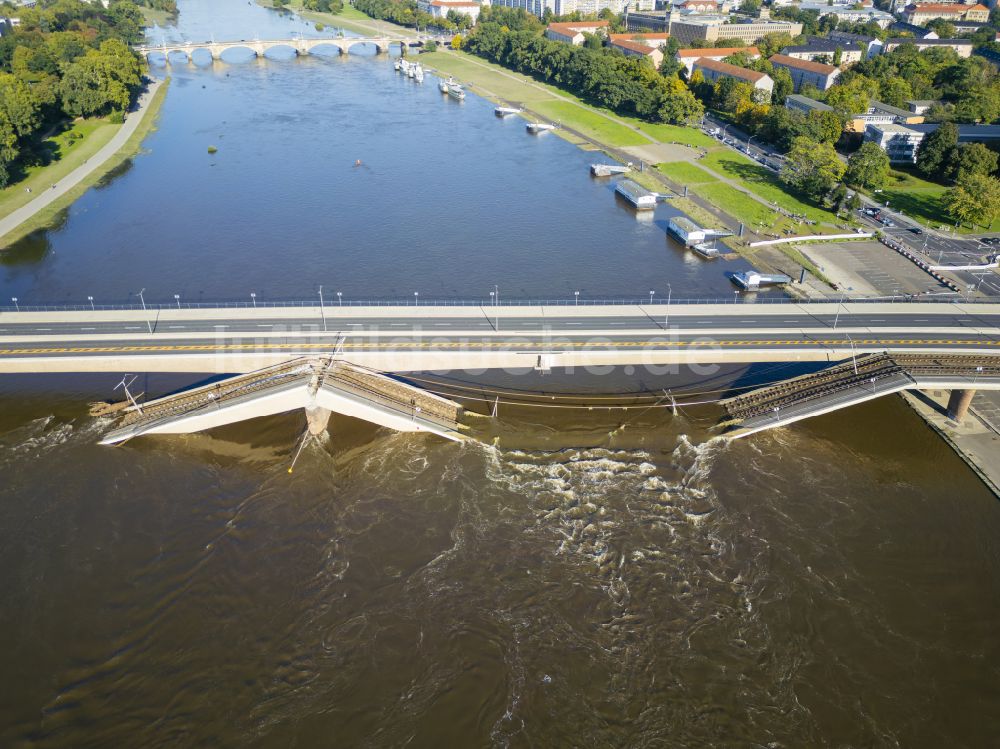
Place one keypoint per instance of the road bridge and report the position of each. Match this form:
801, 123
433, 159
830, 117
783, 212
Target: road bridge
300, 45
398, 338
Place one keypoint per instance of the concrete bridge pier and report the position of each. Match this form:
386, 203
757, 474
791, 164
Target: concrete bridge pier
317, 419
958, 404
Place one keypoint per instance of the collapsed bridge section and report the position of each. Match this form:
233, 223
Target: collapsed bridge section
319, 385
857, 380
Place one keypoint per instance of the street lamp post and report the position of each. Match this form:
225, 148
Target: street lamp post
495, 299
651, 292
854, 354
91, 300
177, 298
340, 298
144, 311
16, 306
576, 295
837, 318
253, 298
416, 298
322, 308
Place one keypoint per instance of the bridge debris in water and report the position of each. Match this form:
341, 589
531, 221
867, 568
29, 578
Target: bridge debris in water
319, 385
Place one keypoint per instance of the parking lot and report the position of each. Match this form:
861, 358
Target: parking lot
870, 269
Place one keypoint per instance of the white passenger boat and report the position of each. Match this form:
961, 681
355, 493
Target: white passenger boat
418, 73
505, 111
455, 90
444, 84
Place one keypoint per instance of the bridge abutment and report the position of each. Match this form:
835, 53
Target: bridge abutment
958, 404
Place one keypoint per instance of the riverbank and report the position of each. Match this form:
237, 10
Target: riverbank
729, 202
70, 185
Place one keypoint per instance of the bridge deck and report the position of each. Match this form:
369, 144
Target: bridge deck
854, 381
309, 383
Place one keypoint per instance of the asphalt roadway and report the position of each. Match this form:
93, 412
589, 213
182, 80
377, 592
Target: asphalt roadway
299, 330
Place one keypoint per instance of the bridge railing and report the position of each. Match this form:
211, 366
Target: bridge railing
750, 299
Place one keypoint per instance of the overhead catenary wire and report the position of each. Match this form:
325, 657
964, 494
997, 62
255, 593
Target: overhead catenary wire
650, 394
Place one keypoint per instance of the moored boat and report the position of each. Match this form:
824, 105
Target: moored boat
456, 90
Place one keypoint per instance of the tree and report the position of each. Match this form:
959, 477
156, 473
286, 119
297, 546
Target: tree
670, 65
853, 96
8, 148
812, 167
825, 127
975, 158
975, 199
456, 41
101, 80
937, 152
783, 85
868, 167
838, 198
773, 43
677, 104
19, 105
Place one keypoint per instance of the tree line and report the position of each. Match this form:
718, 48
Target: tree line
406, 13
66, 59
167, 6
604, 76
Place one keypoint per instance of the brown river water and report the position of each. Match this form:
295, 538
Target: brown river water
575, 578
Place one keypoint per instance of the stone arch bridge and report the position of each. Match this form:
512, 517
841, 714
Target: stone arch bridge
261, 47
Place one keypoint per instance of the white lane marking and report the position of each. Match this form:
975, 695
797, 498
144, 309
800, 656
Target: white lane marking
442, 325
43, 328
88, 328
176, 327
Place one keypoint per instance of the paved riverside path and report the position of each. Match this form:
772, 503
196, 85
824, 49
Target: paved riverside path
135, 117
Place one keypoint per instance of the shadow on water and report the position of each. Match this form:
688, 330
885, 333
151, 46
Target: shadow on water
32, 248
119, 171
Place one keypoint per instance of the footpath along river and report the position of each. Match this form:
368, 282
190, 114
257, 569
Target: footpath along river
588, 578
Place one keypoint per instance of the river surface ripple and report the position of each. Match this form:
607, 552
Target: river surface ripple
598, 578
